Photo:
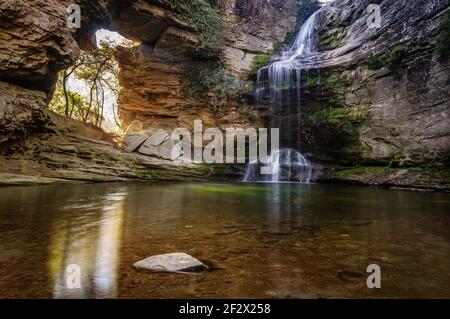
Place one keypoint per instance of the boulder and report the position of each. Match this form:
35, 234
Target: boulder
151, 145
173, 262
157, 137
133, 141
150, 150
171, 150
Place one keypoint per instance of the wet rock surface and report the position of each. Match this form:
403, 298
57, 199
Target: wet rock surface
397, 178
379, 96
173, 262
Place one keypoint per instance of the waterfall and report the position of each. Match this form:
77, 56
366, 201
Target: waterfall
288, 164
305, 45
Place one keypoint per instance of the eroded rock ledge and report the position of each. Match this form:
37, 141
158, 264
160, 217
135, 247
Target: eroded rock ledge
35, 44
405, 109
378, 98
43, 147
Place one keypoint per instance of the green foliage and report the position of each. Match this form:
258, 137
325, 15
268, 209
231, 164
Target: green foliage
333, 39
211, 82
338, 117
363, 170
443, 41
263, 60
259, 62
204, 17
374, 63
98, 70
377, 170
324, 80
77, 105
395, 57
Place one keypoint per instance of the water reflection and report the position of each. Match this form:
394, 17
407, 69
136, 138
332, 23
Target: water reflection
276, 240
89, 238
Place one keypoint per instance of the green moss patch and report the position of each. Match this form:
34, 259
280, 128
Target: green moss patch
204, 17
338, 116
374, 63
333, 39
443, 41
396, 56
363, 170
259, 62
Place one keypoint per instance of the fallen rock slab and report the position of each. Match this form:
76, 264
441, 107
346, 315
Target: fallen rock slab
149, 150
133, 141
171, 150
173, 262
157, 137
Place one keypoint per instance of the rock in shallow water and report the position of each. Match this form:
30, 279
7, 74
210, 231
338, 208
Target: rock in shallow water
173, 262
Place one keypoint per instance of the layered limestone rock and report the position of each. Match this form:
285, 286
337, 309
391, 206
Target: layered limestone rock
35, 44
38, 146
393, 77
260, 26
21, 116
151, 91
152, 74
378, 96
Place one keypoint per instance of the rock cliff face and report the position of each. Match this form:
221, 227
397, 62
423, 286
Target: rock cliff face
379, 96
259, 25
35, 44
153, 73
394, 77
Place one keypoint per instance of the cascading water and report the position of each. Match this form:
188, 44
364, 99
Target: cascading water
305, 45
287, 164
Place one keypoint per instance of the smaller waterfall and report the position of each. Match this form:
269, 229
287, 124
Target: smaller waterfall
305, 45
288, 165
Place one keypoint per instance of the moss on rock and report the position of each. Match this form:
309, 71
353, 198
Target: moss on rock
374, 63
259, 62
443, 41
204, 17
396, 56
333, 39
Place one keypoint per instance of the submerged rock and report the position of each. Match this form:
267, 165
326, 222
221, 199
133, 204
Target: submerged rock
173, 262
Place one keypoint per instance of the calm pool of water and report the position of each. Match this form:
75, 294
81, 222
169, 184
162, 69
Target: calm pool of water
262, 241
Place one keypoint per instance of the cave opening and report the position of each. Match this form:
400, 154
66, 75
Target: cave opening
88, 91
